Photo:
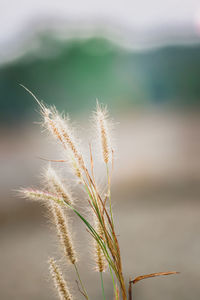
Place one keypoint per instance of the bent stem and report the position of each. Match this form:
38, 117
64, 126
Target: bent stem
145, 277
81, 283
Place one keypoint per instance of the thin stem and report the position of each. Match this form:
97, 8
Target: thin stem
102, 286
116, 268
95, 236
130, 290
109, 194
111, 273
81, 283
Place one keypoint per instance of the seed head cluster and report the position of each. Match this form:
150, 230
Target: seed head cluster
57, 197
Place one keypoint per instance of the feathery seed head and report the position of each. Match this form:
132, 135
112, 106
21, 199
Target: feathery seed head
76, 168
103, 132
60, 128
63, 232
56, 186
101, 263
59, 282
69, 140
49, 122
34, 194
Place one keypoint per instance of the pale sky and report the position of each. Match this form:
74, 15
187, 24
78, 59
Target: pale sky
131, 15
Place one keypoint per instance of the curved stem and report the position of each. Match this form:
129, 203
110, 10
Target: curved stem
81, 283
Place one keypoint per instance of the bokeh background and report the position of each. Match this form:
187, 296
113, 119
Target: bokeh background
142, 59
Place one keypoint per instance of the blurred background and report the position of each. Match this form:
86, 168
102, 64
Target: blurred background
141, 59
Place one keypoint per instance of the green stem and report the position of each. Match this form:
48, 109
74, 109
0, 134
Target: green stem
95, 235
102, 286
81, 283
97, 238
111, 273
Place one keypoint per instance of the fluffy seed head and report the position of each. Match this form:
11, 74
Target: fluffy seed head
69, 139
49, 116
59, 282
103, 131
34, 194
63, 232
55, 185
101, 263
60, 128
77, 170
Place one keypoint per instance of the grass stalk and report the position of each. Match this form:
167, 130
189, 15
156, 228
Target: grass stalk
81, 283
109, 194
113, 280
102, 286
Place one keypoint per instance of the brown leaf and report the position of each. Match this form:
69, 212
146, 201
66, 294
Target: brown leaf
153, 275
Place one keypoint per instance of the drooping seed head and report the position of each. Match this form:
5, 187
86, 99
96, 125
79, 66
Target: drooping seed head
63, 232
60, 128
69, 139
34, 194
59, 282
49, 122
